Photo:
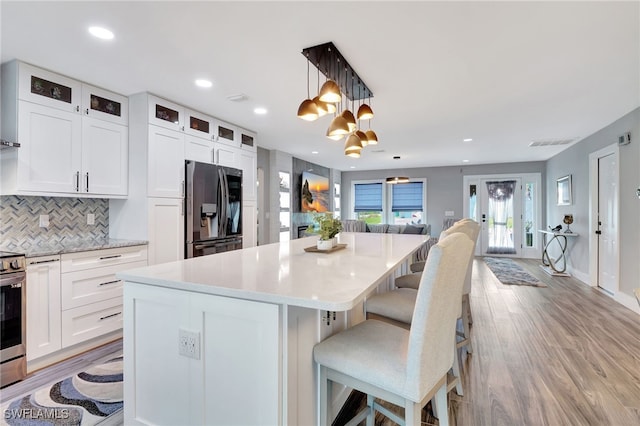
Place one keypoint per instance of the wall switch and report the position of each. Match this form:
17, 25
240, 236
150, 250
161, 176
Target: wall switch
449, 213
44, 221
189, 344
91, 219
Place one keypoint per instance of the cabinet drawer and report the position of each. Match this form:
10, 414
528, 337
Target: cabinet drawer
99, 258
93, 285
89, 321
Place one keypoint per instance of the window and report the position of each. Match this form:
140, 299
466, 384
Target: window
407, 203
368, 202
377, 202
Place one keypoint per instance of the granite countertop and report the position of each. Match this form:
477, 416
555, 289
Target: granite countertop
69, 246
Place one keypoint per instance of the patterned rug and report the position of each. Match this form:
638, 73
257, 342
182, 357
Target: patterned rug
85, 399
509, 272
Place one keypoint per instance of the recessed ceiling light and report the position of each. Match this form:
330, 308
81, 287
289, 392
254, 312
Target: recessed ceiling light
314, 152
467, 140
260, 111
201, 82
352, 167
465, 161
101, 33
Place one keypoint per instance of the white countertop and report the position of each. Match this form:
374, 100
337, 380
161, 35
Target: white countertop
284, 273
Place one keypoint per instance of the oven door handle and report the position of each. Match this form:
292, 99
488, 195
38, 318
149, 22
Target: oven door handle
15, 280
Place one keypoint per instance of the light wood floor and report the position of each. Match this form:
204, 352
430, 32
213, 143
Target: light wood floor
562, 355
61, 370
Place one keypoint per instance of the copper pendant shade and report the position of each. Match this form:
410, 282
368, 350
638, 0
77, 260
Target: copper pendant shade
353, 146
338, 126
330, 92
308, 110
322, 107
372, 138
365, 112
363, 137
351, 120
397, 179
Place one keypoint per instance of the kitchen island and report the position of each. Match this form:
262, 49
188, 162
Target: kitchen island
228, 338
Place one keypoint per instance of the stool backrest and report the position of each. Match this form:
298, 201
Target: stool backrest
471, 229
432, 334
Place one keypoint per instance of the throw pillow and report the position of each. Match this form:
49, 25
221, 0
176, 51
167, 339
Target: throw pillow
410, 229
379, 228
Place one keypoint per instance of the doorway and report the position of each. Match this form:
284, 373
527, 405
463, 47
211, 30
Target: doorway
604, 219
508, 208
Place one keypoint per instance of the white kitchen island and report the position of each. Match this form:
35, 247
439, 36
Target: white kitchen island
247, 321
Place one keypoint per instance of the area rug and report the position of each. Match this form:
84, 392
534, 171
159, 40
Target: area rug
509, 272
84, 399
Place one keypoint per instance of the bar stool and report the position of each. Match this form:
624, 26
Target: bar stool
404, 367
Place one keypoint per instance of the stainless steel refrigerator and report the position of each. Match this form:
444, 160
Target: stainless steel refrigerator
213, 209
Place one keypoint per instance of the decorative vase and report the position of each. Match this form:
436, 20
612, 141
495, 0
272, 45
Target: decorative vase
327, 244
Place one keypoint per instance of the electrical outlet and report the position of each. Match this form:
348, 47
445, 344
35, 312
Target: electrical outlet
44, 221
189, 344
91, 219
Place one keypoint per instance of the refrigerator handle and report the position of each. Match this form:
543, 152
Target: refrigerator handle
222, 205
226, 201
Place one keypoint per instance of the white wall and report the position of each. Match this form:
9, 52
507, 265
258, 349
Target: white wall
575, 161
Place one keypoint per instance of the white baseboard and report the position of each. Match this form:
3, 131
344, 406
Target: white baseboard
580, 276
627, 301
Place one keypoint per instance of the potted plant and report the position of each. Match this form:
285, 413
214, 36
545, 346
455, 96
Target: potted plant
328, 227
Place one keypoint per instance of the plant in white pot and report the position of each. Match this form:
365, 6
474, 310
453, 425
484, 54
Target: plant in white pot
328, 228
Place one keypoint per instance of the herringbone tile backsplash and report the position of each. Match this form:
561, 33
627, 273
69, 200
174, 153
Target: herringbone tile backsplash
20, 216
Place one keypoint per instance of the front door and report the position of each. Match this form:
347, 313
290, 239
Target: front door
500, 209
607, 222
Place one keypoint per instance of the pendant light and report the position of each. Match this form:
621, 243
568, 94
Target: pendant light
339, 127
372, 138
397, 179
365, 112
330, 91
363, 137
308, 110
353, 146
323, 107
346, 114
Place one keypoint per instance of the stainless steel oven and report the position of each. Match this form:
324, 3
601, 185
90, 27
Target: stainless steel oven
13, 363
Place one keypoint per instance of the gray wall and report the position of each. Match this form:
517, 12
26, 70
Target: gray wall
444, 185
264, 230
575, 161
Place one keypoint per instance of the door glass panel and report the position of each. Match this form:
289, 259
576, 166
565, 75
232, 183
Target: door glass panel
105, 105
49, 89
473, 202
529, 220
199, 125
500, 217
167, 114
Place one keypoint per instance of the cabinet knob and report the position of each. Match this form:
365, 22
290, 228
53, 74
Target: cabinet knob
86, 111
77, 108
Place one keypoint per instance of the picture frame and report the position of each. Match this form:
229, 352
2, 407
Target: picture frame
563, 191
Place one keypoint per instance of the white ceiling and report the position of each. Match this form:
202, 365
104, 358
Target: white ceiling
502, 73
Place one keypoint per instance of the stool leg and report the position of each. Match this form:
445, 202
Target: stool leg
413, 413
372, 413
465, 323
441, 406
325, 389
456, 370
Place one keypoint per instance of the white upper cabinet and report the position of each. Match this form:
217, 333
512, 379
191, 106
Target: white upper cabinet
46, 88
101, 104
228, 134
198, 142
73, 136
166, 114
248, 141
166, 163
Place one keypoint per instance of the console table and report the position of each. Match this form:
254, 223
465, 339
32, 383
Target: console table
555, 266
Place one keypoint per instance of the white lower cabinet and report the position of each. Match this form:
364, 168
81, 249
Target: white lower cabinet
233, 377
75, 297
43, 306
166, 230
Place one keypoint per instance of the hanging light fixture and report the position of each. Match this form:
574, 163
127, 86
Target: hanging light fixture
365, 112
372, 138
397, 179
338, 128
353, 146
308, 110
330, 91
323, 107
363, 137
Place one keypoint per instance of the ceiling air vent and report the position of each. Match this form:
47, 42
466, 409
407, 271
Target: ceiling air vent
552, 142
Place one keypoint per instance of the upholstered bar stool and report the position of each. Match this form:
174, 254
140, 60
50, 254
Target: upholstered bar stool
404, 367
472, 229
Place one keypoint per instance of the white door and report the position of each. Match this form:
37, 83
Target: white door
607, 223
50, 154
166, 163
104, 157
249, 223
500, 209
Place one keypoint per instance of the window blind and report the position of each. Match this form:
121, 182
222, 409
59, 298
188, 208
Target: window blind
407, 197
368, 197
